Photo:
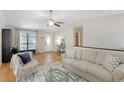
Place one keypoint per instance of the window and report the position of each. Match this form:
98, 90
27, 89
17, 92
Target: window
27, 41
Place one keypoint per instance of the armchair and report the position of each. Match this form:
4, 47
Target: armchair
20, 69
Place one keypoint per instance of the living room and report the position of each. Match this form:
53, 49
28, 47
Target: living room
61, 46
95, 30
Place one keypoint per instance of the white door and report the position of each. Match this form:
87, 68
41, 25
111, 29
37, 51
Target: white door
48, 42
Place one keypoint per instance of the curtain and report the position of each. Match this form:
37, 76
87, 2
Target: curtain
15, 36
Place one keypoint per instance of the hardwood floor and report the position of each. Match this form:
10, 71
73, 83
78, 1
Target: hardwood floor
47, 57
6, 74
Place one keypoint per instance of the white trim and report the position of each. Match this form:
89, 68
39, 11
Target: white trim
2, 25
2, 20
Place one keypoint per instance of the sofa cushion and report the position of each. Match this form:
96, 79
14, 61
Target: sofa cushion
118, 73
111, 62
120, 55
70, 53
100, 57
122, 80
82, 65
69, 61
28, 68
100, 72
89, 55
102, 54
78, 53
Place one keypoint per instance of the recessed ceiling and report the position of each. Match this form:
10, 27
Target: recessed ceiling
37, 19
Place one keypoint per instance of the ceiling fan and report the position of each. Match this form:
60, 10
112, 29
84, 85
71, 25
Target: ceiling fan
52, 22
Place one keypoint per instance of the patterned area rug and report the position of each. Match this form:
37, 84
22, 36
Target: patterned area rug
52, 73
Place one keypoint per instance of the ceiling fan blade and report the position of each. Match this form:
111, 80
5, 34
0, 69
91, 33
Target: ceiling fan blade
51, 21
57, 24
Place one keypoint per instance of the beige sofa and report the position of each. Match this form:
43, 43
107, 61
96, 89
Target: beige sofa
87, 63
19, 69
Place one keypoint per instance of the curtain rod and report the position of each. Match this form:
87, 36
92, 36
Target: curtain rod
25, 29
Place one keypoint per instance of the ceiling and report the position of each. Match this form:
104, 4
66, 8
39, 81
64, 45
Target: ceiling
37, 19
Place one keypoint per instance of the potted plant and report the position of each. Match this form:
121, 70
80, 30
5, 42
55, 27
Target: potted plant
14, 50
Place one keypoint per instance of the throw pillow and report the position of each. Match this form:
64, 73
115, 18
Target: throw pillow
111, 62
25, 57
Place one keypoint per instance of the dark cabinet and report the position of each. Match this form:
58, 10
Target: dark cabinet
6, 53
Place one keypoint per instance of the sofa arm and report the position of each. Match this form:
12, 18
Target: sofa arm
28, 68
63, 55
118, 73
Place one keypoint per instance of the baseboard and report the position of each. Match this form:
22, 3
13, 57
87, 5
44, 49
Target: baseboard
46, 51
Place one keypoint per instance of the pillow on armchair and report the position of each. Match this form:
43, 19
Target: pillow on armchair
25, 57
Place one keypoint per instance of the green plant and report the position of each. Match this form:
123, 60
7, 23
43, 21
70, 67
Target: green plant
14, 50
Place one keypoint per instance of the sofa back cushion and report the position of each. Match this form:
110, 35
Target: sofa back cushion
100, 57
70, 53
78, 53
120, 55
89, 55
101, 54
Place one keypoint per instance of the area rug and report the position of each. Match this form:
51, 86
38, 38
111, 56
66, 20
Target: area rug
54, 72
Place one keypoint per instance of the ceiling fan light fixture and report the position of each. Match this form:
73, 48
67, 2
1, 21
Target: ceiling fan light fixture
51, 22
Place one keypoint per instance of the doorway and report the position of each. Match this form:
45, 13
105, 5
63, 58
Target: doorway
78, 36
48, 42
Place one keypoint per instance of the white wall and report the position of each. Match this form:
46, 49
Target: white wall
105, 32
0, 44
1, 26
67, 34
41, 41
